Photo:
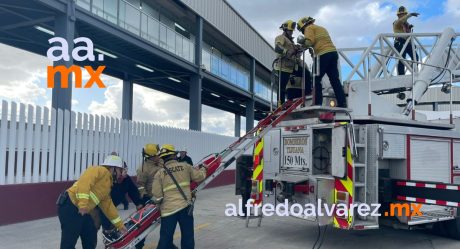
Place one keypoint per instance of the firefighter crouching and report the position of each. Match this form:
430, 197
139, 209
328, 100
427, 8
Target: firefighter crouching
171, 190
91, 190
151, 164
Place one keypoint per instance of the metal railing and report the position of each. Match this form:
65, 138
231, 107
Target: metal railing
225, 69
262, 89
411, 107
355, 61
136, 21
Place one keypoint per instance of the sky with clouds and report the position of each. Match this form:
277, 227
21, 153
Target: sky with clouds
24, 80
350, 23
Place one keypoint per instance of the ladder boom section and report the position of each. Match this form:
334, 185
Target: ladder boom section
437, 59
375, 73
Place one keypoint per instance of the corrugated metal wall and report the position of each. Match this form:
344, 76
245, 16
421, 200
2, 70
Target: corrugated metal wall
435, 95
223, 17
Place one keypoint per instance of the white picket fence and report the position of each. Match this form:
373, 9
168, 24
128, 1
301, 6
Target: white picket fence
42, 145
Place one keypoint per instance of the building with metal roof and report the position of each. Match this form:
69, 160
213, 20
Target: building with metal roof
203, 51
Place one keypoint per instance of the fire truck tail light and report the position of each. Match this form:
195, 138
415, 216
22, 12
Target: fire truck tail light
342, 197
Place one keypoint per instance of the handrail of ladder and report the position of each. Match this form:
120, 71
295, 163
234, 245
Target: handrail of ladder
271, 120
264, 122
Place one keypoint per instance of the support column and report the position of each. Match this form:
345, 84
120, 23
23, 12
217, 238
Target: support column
250, 102
237, 125
127, 100
198, 40
195, 82
195, 103
252, 76
64, 26
249, 114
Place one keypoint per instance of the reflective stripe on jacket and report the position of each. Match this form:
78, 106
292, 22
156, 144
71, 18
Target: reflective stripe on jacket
93, 189
165, 191
318, 38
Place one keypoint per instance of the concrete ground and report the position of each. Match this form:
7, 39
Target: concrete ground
214, 230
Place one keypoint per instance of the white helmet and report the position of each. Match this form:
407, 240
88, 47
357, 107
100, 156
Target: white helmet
113, 161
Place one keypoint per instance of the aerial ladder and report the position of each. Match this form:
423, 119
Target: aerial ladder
372, 79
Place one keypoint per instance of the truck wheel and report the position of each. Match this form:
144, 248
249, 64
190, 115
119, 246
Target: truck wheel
452, 228
439, 228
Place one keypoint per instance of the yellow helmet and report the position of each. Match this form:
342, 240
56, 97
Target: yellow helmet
167, 149
402, 10
304, 21
151, 149
288, 25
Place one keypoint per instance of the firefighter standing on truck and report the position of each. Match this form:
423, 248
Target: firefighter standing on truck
152, 163
402, 26
91, 190
318, 38
285, 62
171, 190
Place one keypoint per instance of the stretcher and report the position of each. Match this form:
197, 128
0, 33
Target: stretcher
145, 220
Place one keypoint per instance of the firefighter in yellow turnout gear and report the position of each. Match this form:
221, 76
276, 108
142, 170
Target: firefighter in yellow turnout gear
171, 190
318, 38
288, 65
91, 190
402, 26
152, 163
285, 62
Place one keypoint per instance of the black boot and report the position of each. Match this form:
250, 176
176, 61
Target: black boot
126, 204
